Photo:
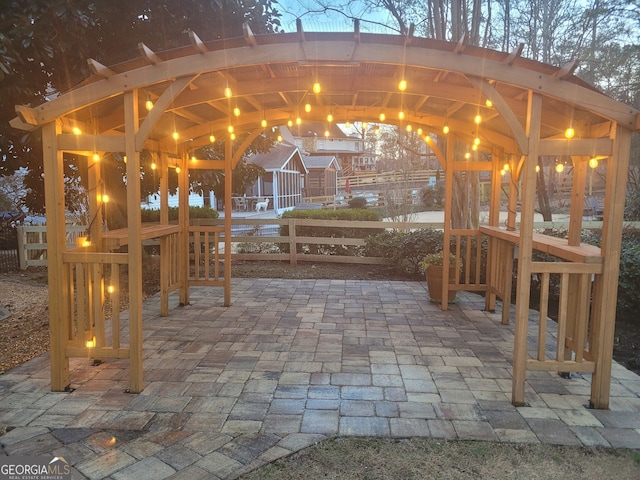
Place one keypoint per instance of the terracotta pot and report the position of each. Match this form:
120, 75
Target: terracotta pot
434, 283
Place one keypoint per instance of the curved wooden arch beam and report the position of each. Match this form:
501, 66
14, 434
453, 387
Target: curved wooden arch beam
327, 50
159, 108
503, 108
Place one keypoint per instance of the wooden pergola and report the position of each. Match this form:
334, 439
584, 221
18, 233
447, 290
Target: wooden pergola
518, 110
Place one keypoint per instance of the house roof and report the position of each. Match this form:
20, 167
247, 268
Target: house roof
278, 158
317, 129
321, 161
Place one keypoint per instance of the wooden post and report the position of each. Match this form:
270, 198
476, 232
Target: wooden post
528, 173
228, 186
494, 220
183, 221
56, 244
606, 290
448, 203
580, 165
165, 253
135, 244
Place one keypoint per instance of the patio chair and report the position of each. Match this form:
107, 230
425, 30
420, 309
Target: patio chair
240, 203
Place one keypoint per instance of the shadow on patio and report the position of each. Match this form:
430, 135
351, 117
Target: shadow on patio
290, 363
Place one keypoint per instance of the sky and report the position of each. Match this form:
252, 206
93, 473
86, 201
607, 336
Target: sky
314, 20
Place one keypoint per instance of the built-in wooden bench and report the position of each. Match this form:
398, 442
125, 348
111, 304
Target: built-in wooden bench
579, 264
558, 247
167, 234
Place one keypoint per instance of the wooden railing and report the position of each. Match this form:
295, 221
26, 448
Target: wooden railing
93, 327
368, 180
204, 262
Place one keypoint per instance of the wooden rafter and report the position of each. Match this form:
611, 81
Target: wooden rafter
149, 54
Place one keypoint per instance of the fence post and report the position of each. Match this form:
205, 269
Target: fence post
22, 248
293, 250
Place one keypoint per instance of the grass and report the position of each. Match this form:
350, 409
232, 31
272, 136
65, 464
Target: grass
424, 459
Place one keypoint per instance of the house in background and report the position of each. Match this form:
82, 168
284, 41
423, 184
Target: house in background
284, 177
322, 179
348, 149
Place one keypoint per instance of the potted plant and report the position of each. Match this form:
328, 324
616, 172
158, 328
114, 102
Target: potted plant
433, 266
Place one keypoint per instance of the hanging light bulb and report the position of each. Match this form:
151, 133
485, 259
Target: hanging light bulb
290, 123
175, 135
401, 115
76, 131
177, 169
317, 88
476, 141
263, 123
212, 138
194, 159
111, 289
569, 132
402, 86
474, 147
96, 157
503, 172
560, 167
230, 129
330, 118
232, 136
505, 167
420, 131
307, 107
298, 120
153, 165
477, 119
326, 133
445, 129
537, 168
365, 125
593, 162
382, 117
488, 103
409, 128
148, 104
279, 138
228, 93
377, 131
105, 198
347, 124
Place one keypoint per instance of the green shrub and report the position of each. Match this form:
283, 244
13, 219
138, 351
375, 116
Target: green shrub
151, 215
346, 215
358, 203
405, 250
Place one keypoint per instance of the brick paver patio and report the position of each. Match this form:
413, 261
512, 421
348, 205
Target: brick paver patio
293, 362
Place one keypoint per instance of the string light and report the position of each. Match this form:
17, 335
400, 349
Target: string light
307, 107
236, 112
401, 115
402, 86
96, 157
178, 169
111, 289
148, 104
593, 162
382, 117
330, 118
326, 133
228, 93
290, 123
153, 165
488, 103
175, 135
477, 119
76, 131
317, 88
230, 129
445, 129
409, 128
212, 138
263, 123
569, 132
91, 343
194, 159
298, 120
232, 136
